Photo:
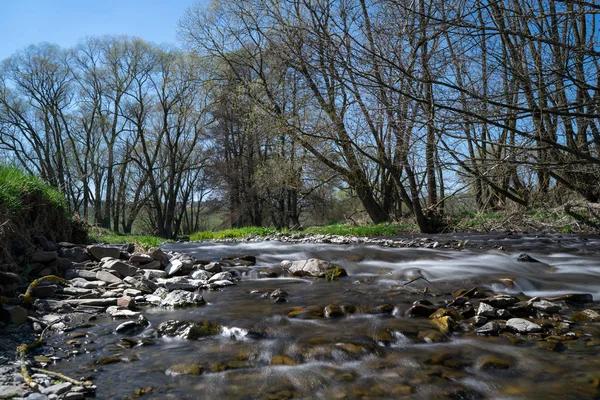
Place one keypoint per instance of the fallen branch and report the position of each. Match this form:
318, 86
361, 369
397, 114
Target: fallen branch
62, 376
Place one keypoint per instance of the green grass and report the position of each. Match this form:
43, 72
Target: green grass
235, 233
17, 185
102, 235
471, 220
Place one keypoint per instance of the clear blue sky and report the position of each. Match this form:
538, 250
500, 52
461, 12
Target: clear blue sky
65, 22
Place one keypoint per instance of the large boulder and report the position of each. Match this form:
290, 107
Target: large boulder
123, 268
311, 267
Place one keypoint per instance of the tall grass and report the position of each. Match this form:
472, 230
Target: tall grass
16, 186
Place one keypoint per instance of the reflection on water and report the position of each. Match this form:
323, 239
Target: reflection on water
262, 353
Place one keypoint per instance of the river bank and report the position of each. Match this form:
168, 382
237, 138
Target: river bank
403, 298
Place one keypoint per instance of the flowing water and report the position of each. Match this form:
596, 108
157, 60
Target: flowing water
262, 353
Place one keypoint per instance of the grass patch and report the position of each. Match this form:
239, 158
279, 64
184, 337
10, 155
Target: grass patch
476, 221
235, 233
101, 235
16, 186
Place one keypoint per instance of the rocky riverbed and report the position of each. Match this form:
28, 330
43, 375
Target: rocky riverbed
313, 317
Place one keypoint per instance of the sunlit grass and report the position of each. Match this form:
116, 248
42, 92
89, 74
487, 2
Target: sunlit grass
386, 229
101, 235
235, 233
16, 186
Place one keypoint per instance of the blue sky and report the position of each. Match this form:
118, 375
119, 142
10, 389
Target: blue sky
65, 22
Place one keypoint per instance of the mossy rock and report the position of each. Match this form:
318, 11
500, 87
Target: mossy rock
184, 369
490, 361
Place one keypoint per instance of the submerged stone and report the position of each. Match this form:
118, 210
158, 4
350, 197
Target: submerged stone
190, 330
184, 369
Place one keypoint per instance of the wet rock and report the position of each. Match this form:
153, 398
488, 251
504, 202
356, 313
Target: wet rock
382, 309
577, 298
124, 269
92, 302
107, 277
57, 389
421, 308
282, 360
503, 314
49, 305
44, 291
544, 306
306, 313
157, 254
99, 251
491, 328
333, 311
220, 283
173, 267
586, 315
501, 301
486, 310
133, 327
522, 325
243, 260
190, 330
278, 293
214, 267
120, 312
489, 361
184, 369
109, 360
480, 320
312, 267
523, 257
44, 257
182, 298
446, 324
431, 336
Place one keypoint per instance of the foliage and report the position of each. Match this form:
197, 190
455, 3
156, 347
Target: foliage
16, 186
102, 235
385, 229
333, 274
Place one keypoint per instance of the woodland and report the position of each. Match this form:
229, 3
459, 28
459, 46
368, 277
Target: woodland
291, 112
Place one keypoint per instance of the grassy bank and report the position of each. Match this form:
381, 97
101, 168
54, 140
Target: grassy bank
18, 189
101, 235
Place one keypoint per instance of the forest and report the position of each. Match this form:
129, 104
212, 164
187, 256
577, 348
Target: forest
287, 112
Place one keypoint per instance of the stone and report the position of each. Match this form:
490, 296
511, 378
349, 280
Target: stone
546, 306
80, 273
244, 260
221, 276
491, 361
44, 291
8, 391
157, 254
190, 330
312, 267
586, 315
485, 310
44, 257
132, 292
44, 243
501, 301
184, 369
220, 283
107, 277
76, 254
333, 311
201, 274
126, 302
99, 251
153, 265
182, 298
123, 268
57, 389
63, 264
214, 267
73, 396
578, 298
491, 328
18, 315
133, 327
141, 259
278, 293
523, 257
421, 310
154, 273
173, 267
522, 325
50, 305
92, 302
446, 324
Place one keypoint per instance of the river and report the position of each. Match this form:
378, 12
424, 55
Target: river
281, 350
